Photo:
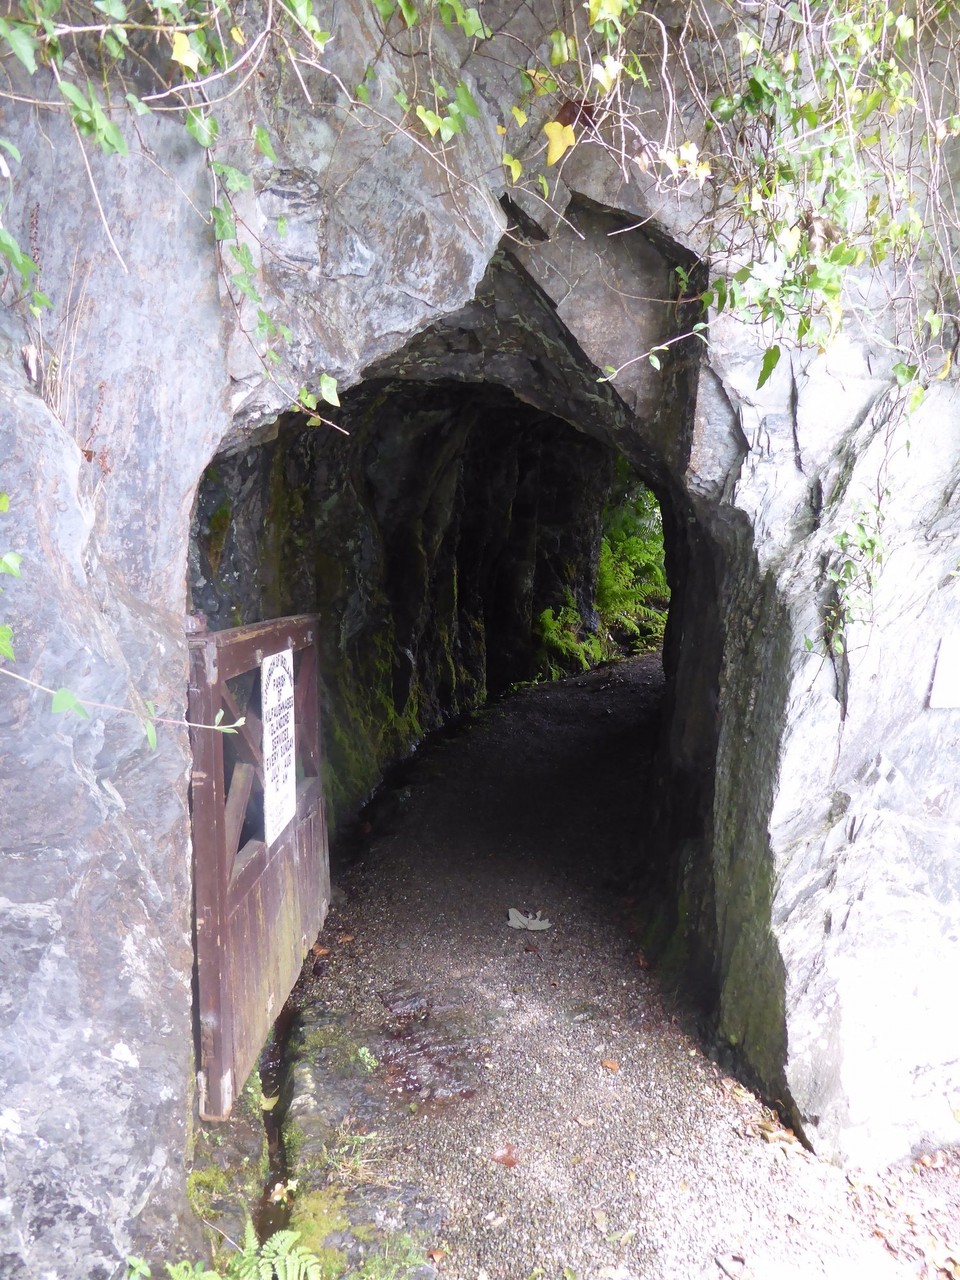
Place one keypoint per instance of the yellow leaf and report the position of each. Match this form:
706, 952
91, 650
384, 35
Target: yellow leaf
519, 116
688, 154
237, 36
501, 130
513, 164
789, 239
560, 137
183, 54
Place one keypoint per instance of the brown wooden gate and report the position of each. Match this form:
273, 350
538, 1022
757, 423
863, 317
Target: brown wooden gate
257, 908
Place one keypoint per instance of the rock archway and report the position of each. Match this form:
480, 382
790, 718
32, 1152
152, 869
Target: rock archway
815, 815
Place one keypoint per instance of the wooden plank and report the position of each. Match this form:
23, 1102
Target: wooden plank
250, 733
307, 711
213, 973
243, 648
235, 809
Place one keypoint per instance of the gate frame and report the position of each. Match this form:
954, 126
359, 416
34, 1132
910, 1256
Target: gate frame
224, 874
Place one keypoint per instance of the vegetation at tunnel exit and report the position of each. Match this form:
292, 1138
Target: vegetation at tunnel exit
631, 598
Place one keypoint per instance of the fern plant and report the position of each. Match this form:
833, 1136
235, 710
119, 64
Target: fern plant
632, 590
278, 1258
632, 594
563, 642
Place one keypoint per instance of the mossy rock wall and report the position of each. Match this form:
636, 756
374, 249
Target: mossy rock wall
429, 539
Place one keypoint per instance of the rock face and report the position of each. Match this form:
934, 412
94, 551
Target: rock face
814, 819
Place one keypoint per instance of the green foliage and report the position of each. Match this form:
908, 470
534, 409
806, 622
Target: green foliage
564, 643
631, 597
851, 575
632, 590
280, 1257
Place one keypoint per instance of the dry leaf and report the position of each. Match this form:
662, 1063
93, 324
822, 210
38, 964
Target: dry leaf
436, 1256
610, 1064
345, 937
506, 1155
731, 1264
317, 950
586, 1121
935, 1160
600, 1218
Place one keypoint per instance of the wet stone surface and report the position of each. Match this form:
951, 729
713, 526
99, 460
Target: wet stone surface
541, 1102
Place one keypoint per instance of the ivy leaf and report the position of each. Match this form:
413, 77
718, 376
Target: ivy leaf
139, 107
224, 224
544, 186
4, 502
64, 701
183, 53
431, 121
560, 137
21, 41
233, 179
263, 143
150, 729
465, 100
473, 26
513, 164
6, 646
201, 128
771, 358
519, 116
10, 563
328, 389
409, 10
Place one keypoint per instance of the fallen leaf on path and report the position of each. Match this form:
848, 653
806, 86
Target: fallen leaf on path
610, 1064
642, 961
517, 920
586, 1121
436, 1256
731, 1264
345, 937
934, 1160
267, 1104
319, 951
506, 1155
600, 1218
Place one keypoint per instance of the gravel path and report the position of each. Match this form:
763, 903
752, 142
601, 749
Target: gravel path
539, 1085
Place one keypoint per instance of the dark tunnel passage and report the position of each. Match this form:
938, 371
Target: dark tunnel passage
430, 539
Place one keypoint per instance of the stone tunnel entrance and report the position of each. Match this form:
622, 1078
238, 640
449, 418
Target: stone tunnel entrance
458, 496
431, 540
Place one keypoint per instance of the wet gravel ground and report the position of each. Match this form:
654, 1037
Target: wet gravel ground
540, 1086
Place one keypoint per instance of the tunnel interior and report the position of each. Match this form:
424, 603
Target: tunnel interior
462, 496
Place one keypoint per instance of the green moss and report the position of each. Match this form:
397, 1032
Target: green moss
218, 527
204, 1188
318, 1216
293, 1139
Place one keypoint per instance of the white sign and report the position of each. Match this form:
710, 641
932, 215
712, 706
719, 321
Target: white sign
279, 744
946, 676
